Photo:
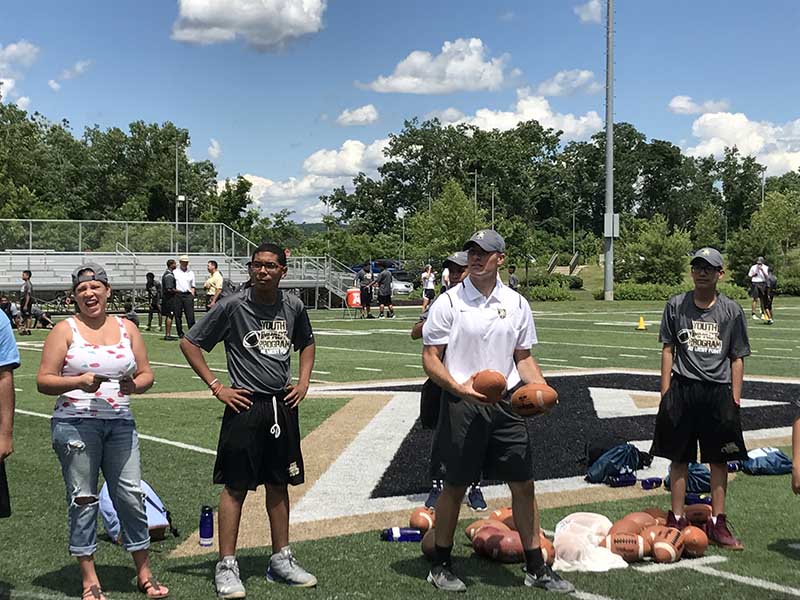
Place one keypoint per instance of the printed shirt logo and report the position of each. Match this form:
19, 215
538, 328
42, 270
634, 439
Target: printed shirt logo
501, 313
703, 337
271, 339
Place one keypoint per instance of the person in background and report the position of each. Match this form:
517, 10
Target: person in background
9, 360
153, 289
170, 298
25, 303
186, 289
131, 314
445, 280
758, 285
428, 279
364, 281
769, 294
213, 285
384, 285
92, 363
41, 317
513, 280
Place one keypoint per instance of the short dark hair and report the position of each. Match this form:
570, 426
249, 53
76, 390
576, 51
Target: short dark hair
273, 249
150, 276
27, 272
512, 268
215, 263
171, 263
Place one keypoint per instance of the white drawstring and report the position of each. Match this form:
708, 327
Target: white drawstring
275, 429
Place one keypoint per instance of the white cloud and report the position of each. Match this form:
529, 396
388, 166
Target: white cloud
23, 102
215, 149
264, 24
532, 107
591, 12
462, 65
76, 70
684, 105
363, 115
776, 146
350, 159
54, 85
18, 54
7, 85
506, 16
448, 115
565, 83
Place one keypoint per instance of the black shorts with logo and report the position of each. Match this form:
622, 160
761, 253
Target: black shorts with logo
474, 440
429, 294
698, 412
168, 306
249, 454
366, 296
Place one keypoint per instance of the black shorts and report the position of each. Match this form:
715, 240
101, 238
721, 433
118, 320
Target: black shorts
429, 294
475, 440
693, 412
366, 296
249, 454
5, 500
155, 306
753, 291
385, 300
168, 306
25, 313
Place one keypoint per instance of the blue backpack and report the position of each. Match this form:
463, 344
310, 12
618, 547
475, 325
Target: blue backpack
766, 461
159, 518
623, 458
698, 481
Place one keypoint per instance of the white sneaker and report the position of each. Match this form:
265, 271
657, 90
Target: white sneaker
284, 568
226, 579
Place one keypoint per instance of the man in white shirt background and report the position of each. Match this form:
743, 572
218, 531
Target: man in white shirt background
185, 286
758, 274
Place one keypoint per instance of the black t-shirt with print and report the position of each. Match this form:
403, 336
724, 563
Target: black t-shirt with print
258, 338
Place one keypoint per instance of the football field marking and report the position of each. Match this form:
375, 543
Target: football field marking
589, 596
592, 358
701, 566
368, 369
12, 594
635, 356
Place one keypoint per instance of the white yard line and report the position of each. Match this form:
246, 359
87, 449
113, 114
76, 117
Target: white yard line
413, 366
589, 596
142, 436
361, 350
592, 358
636, 356
551, 359
321, 372
369, 369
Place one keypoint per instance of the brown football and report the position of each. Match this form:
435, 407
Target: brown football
642, 518
697, 514
659, 514
533, 399
505, 547
629, 546
491, 384
695, 541
422, 518
473, 528
548, 550
668, 545
480, 540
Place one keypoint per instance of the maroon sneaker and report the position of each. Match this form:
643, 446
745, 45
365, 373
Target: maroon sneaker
720, 535
677, 523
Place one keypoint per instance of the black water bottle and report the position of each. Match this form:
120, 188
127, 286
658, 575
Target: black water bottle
206, 526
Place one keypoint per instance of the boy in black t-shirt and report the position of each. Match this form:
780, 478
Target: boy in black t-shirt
702, 368
259, 439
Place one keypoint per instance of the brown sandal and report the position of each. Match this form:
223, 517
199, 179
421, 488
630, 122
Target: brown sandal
94, 593
152, 584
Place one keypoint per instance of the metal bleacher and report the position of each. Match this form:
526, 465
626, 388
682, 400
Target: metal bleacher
130, 249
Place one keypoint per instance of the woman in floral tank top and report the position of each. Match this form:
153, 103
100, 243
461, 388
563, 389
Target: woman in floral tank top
92, 363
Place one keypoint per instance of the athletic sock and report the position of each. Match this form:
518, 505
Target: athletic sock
534, 561
441, 555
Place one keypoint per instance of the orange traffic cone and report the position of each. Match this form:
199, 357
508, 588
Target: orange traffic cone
641, 326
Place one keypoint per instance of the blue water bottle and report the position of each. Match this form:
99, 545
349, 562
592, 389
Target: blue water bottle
651, 483
206, 526
734, 466
401, 534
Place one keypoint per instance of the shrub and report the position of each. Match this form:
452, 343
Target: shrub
542, 279
743, 247
662, 292
789, 287
650, 253
547, 293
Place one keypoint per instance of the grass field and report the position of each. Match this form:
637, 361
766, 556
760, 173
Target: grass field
34, 562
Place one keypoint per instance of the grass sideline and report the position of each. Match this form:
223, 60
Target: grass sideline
591, 334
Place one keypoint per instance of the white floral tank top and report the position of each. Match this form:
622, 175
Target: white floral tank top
114, 361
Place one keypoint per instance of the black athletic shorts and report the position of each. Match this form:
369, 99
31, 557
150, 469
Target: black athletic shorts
5, 500
366, 296
753, 291
693, 412
474, 440
168, 306
385, 300
249, 454
429, 294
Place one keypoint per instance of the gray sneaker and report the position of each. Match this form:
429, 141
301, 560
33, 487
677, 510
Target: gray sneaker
549, 580
226, 579
443, 579
284, 568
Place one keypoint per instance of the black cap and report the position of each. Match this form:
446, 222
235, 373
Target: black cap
98, 274
710, 255
488, 239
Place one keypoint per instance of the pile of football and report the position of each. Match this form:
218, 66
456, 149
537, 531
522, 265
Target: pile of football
641, 534
496, 538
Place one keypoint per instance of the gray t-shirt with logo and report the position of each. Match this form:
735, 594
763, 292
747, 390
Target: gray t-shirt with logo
704, 340
363, 278
258, 338
385, 283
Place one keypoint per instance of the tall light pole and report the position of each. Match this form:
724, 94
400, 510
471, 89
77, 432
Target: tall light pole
177, 197
610, 217
475, 191
401, 212
763, 182
492, 206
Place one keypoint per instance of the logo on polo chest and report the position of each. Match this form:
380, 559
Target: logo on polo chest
272, 338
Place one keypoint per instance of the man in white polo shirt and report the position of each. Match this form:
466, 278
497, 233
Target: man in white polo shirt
185, 286
483, 324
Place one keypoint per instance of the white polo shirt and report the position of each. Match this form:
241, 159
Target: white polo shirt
184, 280
758, 273
479, 332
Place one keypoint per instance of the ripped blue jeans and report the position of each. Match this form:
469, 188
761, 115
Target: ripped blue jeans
84, 447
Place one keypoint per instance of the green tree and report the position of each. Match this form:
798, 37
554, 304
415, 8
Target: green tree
649, 253
452, 219
741, 186
779, 221
708, 227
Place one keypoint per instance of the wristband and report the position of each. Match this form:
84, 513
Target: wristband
218, 390
211, 383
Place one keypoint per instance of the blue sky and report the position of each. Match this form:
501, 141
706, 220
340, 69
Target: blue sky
301, 94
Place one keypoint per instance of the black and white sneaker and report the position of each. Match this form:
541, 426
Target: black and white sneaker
549, 581
442, 578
